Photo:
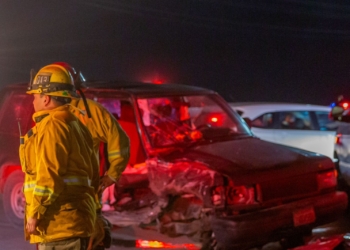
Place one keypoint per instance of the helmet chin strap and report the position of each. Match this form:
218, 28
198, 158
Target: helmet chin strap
85, 102
77, 82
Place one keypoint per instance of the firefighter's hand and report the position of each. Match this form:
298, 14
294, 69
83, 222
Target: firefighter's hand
31, 225
106, 181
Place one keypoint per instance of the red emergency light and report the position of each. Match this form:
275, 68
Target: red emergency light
215, 120
163, 245
345, 105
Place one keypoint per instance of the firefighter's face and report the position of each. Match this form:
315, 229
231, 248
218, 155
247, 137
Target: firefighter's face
39, 102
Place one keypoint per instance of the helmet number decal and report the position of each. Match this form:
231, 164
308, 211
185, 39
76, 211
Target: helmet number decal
42, 79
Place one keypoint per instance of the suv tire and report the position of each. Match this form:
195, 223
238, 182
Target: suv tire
13, 199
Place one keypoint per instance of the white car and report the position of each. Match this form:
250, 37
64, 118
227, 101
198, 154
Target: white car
303, 126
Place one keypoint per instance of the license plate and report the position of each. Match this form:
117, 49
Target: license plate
304, 216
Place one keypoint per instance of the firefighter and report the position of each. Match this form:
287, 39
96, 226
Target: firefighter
104, 129
340, 110
60, 167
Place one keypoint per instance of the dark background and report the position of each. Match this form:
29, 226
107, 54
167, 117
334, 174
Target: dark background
246, 50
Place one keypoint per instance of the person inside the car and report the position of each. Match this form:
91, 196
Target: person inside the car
288, 121
292, 122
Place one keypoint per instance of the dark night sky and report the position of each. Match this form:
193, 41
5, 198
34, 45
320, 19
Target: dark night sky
246, 50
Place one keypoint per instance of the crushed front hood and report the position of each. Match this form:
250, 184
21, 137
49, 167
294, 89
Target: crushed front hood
251, 155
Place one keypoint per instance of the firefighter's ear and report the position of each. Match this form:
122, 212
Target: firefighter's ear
46, 99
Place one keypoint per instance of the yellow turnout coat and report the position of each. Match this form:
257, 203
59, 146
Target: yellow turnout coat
60, 176
105, 128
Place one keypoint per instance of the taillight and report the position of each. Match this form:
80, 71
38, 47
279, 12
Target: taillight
327, 180
337, 139
233, 195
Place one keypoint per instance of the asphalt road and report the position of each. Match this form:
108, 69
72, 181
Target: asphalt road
13, 239
123, 238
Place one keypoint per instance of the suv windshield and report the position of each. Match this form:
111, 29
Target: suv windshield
185, 119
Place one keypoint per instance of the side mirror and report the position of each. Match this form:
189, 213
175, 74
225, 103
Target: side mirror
248, 121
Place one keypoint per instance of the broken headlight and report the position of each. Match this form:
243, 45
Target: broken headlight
233, 195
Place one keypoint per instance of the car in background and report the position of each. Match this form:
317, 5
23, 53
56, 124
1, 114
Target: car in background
342, 148
195, 168
304, 126
341, 116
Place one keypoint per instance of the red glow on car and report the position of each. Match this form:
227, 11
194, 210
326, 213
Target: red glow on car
163, 245
215, 120
158, 81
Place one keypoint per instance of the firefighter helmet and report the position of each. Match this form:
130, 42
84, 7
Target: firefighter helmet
79, 79
79, 82
53, 80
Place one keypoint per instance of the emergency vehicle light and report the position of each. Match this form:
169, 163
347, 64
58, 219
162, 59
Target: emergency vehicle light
214, 119
345, 105
163, 245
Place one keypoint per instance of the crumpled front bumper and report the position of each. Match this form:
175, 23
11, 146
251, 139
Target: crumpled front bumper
251, 229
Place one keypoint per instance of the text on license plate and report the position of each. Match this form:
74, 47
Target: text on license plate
304, 216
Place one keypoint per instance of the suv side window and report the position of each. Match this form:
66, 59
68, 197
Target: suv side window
123, 110
263, 121
299, 120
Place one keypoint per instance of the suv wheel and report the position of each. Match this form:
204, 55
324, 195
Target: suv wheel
13, 201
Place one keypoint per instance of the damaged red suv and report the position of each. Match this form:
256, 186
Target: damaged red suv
195, 168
